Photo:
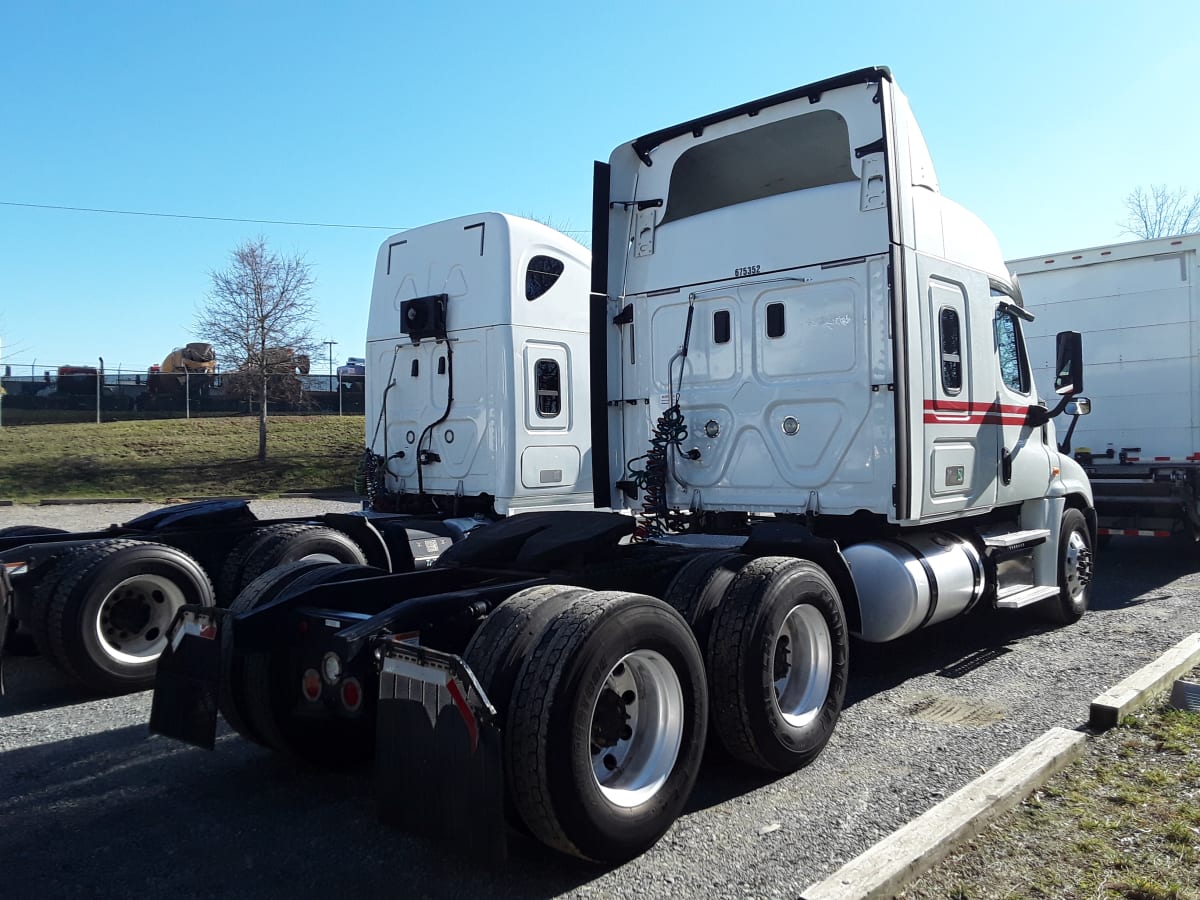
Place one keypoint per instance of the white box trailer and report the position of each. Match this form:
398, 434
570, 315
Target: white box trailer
1137, 305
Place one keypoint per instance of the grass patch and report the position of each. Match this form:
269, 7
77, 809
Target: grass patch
166, 459
1122, 822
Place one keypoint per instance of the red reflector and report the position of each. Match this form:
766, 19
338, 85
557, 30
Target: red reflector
351, 694
310, 685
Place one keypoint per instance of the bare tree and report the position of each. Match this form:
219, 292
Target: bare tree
259, 315
1159, 212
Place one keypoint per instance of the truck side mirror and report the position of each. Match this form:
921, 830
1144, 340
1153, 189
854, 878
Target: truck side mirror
1068, 368
1079, 406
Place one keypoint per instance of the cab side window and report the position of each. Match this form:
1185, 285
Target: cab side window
951, 335
1010, 348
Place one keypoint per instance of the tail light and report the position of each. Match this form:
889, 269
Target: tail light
352, 694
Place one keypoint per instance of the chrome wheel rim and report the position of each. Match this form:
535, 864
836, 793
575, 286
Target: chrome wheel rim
1077, 565
803, 665
131, 621
636, 728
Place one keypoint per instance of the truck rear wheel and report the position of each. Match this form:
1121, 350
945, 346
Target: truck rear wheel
778, 662
275, 545
697, 588
101, 614
262, 590
1075, 559
498, 649
270, 691
10, 640
607, 724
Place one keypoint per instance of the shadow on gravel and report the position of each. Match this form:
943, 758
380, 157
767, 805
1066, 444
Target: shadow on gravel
123, 813
31, 683
1131, 571
951, 650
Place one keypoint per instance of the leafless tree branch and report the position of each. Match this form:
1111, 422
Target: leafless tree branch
1160, 211
258, 314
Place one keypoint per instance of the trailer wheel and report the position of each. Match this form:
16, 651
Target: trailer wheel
275, 545
606, 727
778, 660
1075, 557
102, 612
697, 589
270, 691
262, 590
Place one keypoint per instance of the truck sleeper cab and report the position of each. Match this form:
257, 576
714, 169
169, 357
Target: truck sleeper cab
812, 412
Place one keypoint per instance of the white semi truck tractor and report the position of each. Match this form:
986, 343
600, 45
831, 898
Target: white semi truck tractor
812, 416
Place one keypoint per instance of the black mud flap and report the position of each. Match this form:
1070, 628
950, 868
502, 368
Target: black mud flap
188, 677
438, 761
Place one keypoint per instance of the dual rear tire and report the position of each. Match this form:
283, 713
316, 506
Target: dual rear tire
604, 705
101, 611
261, 693
606, 697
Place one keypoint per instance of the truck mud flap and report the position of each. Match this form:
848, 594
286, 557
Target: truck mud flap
438, 763
188, 677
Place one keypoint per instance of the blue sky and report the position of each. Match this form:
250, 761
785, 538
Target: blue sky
1040, 117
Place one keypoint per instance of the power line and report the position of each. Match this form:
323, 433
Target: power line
162, 215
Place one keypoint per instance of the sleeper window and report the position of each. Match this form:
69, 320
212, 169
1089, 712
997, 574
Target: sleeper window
951, 335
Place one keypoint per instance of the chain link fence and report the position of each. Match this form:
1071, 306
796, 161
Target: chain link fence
82, 394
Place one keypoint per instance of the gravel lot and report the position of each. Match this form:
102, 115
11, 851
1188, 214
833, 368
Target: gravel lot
95, 806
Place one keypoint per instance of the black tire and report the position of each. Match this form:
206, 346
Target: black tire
9, 639
275, 545
775, 605
698, 587
262, 590
269, 694
102, 611
1075, 560
566, 700
500, 646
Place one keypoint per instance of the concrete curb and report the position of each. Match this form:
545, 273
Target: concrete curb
901, 857
1118, 701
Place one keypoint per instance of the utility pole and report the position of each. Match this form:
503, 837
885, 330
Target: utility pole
330, 343
99, 380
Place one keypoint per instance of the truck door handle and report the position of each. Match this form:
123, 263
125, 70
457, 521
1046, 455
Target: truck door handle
1005, 466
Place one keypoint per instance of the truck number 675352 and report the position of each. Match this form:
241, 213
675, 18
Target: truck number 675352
746, 270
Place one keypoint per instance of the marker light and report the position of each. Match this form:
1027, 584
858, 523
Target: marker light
310, 685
